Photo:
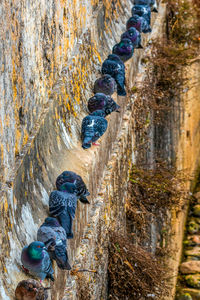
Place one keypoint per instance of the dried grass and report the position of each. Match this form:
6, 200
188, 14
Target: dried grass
133, 272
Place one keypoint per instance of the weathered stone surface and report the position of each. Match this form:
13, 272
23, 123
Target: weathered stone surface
195, 251
190, 267
56, 50
189, 258
193, 280
196, 210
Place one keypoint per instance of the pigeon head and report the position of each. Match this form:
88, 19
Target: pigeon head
98, 113
68, 187
35, 250
52, 222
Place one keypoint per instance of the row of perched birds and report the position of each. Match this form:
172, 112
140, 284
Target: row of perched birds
113, 70
52, 235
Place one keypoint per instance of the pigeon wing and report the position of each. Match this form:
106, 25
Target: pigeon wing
46, 264
71, 205
47, 235
57, 203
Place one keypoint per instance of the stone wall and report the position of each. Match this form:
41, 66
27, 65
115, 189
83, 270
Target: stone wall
51, 55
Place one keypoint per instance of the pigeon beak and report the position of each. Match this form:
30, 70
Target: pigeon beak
45, 248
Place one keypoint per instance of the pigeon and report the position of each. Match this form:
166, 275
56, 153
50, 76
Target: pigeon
103, 102
35, 259
31, 289
53, 235
139, 23
93, 127
152, 3
115, 67
106, 84
124, 49
134, 35
62, 204
142, 11
79, 185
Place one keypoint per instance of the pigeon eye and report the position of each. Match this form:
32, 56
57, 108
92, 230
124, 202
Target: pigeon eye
38, 246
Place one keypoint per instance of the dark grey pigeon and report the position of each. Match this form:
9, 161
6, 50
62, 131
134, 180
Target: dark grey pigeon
73, 181
115, 67
106, 84
124, 49
152, 3
103, 102
139, 23
93, 127
62, 204
142, 11
134, 35
53, 235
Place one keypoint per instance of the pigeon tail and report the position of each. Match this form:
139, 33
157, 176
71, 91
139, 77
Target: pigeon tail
139, 46
117, 108
61, 257
86, 142
121, 91
66, 222
155, 10
83, 199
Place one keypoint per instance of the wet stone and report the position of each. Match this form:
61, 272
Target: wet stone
195, 258
185, 296
193, 227
193, 280
196, 210
194, 293
190, 267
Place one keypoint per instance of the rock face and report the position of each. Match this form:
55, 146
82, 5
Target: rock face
194, 294
51, 55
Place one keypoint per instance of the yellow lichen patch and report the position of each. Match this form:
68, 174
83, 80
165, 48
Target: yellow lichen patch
25, 138
5, 205
31, 170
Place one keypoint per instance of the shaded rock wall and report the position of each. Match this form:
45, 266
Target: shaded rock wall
51, 55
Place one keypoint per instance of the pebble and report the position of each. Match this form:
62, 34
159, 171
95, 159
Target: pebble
190, 267
195, 251
193, 280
